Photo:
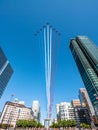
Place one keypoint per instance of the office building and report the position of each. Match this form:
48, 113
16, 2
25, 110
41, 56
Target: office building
5, 71
85, 54
71, 113
14, 111
85, 101
36, 110
82, 115
64, 111
58, 111
75, 102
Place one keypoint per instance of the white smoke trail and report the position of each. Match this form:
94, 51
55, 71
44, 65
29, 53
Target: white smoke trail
45, 49
47, 69
50, 37
49, 54
50, 50
47, 46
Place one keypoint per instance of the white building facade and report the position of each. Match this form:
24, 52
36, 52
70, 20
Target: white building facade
36, 110
12, 112
65, 111
71, 113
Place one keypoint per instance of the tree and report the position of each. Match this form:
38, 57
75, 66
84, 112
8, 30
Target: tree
64, 124
54, 125
28, 123
84, 125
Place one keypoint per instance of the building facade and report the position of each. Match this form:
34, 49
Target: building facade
58, 111
82, 115
71, 113
75, 102
85, 54
12, 112
36, 110
5, 71
65, 111
85, 101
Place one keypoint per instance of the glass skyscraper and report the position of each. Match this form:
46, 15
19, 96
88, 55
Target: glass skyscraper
5, 71
85, 54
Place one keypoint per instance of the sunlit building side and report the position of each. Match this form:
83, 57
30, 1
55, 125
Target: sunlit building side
12, 112
36, 110
6, 72
64, 111
75, 102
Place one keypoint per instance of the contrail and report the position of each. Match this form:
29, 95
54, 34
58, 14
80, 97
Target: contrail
50, 50
47, 49
45, 61
50, 43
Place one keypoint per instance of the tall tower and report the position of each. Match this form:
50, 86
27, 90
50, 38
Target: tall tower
5, 72
36, 110
85, 54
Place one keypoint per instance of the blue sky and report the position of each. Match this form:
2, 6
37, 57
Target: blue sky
19, 20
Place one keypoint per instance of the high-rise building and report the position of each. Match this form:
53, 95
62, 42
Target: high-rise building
85, 54
58, 111
75, 102
85, 101
14, 111
71, 113
82, 115
36, 110
65, 111
5, 72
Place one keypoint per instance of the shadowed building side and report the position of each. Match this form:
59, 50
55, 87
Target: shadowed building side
6, 72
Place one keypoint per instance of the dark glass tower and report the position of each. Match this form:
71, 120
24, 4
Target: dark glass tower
5, 72
85, 54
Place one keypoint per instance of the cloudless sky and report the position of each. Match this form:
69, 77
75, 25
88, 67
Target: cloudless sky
19, 20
